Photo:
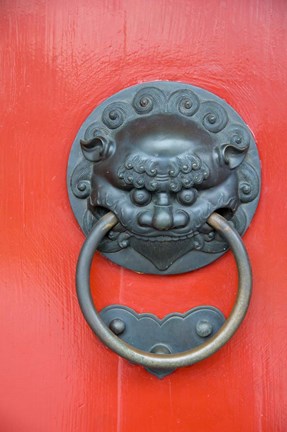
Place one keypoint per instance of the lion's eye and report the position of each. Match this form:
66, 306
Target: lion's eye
140, 196
187, 197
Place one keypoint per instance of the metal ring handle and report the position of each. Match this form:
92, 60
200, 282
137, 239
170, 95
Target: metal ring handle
164, 361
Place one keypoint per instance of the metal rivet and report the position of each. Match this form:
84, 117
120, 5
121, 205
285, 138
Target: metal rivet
144, 102
211, 118
204, 328
82, 186
113, 115
124, 243
246, 189
188, 104
160, 349
117, 326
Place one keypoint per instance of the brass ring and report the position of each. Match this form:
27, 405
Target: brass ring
164, 361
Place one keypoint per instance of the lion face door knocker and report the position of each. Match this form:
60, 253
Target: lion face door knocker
163, 178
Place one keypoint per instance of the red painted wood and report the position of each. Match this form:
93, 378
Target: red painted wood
59, 59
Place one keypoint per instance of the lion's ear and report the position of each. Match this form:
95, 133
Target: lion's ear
232, 155
95, 149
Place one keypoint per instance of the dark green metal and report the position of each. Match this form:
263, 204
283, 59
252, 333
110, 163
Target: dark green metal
162, 157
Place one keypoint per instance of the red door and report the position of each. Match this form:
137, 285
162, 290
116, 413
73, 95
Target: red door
59, 60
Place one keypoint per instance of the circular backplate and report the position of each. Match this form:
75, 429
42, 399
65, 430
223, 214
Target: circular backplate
163, 156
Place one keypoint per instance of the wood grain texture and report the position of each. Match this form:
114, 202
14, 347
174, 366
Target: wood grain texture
59, 59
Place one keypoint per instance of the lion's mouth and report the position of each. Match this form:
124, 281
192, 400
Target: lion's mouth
163, 238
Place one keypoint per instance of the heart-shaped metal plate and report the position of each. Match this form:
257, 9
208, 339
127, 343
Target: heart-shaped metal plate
174, 333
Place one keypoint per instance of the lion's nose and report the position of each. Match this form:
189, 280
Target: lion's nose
162, 216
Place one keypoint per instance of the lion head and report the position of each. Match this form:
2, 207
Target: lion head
163, 165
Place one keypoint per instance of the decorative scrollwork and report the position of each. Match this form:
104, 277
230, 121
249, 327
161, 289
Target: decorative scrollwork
248, 186
214, 116
185, 101
114, 115
148, 99
81, 180
93, 130
239, 136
